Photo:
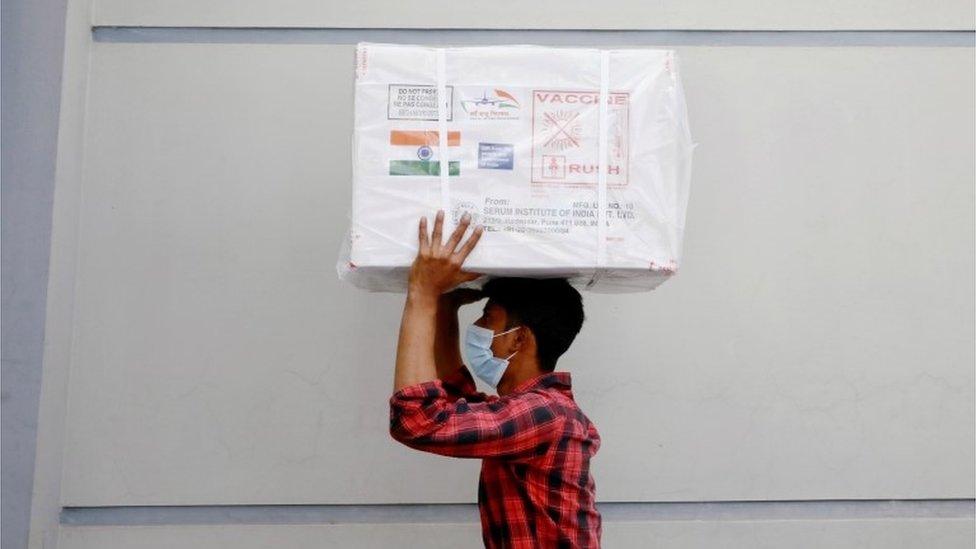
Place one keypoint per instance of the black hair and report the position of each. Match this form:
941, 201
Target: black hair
550, 307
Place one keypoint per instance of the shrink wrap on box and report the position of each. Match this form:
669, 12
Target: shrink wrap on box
576, 161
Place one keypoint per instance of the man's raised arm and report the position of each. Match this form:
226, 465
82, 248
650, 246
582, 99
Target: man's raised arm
435, 270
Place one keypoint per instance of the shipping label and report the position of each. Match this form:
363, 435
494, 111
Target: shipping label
496, 156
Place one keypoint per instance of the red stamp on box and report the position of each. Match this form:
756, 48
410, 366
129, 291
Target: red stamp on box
566, 137
553, 167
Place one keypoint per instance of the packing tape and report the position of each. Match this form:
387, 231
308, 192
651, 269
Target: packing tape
443, 161
601, 182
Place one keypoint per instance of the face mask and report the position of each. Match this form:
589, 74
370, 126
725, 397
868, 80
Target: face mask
477, 350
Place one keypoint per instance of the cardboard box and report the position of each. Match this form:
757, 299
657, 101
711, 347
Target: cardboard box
521, 139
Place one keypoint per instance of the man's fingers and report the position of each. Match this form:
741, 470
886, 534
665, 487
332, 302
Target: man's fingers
423, 238
457, 234
435, 244
468, 277
470, 243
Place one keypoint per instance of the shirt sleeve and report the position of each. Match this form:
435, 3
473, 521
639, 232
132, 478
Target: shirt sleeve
423, 417
460, 383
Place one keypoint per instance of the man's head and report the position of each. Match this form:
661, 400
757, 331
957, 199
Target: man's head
549, 312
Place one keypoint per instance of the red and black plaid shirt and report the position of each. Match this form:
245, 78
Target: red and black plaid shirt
535, 488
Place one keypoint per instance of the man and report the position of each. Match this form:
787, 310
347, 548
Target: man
535, 488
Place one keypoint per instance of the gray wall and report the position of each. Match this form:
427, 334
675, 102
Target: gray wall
33, 41
817, 346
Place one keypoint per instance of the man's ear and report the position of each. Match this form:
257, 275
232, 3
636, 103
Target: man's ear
524, 338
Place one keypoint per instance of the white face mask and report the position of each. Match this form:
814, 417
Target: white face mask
477, 351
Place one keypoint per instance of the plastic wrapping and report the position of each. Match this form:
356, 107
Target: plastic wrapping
576, 161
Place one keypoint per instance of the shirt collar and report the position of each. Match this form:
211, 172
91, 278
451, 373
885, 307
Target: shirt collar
559, 380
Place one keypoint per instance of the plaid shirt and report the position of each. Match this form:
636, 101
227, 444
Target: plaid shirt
535, 488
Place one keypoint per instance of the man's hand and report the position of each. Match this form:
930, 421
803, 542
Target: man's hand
437, 267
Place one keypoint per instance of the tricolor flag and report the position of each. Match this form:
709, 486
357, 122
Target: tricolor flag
418, 146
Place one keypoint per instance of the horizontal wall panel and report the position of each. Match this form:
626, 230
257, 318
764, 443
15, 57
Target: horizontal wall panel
817, 342
546, 14
836, 534
564, 38
359, 536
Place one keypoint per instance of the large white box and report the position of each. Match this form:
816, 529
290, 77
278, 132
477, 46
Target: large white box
523, 138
